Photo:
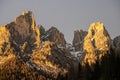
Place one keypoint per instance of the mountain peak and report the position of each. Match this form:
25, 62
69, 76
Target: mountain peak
96, 43
28, 16
20, 42
24, 29
31, 52
27, 12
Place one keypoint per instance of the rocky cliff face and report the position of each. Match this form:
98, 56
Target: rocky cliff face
21, 49
29, 52
24, 29
4, 40
78, 39
20, 32
54, 35
42, 30
97, 43
56, 62
99, 62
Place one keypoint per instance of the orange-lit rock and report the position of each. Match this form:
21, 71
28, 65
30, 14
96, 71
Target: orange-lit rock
24, 29
22, 56
97, 43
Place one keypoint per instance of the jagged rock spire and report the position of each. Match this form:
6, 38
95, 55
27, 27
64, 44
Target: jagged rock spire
21, 40
24, 29
78, 39
54, 35
96, 43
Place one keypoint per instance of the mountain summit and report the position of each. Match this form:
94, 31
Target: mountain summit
21, 45
94, 46
29, 52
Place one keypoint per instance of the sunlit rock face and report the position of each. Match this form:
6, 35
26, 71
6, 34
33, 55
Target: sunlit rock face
16, 37
29, 52
96, 43
4, 41
24, 29
78, 39
22, 56
56, 62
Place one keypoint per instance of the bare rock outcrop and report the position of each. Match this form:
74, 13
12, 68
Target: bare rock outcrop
22, 56
42, 30
29, 52
56, 62
116, 45
54, 35
4, 41
78, 39
97, 43
24, 29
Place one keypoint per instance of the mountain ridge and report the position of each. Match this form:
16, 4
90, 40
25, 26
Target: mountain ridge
30, 52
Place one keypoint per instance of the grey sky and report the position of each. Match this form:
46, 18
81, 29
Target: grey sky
66, 15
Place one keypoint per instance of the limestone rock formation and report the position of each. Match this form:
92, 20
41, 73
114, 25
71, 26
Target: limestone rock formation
29, 52
78, 39
4, 40
22, 56
24, 29
116, 45
12, 68
42, 30
116, 41
56, 62
97, 43
54, 35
